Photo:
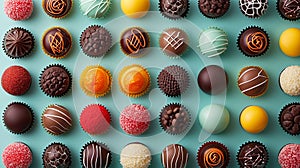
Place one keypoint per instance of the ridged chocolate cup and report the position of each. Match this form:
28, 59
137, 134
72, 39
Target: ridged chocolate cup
68, 152
174, 17
281, 116
30, 126
254, 55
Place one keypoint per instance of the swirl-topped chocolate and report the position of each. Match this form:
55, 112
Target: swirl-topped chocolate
57, 8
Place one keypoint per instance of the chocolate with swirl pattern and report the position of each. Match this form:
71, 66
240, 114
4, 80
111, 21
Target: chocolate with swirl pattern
57, 8
213, 155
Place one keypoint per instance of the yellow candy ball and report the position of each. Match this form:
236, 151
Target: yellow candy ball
289, 42
135, 8
254, 119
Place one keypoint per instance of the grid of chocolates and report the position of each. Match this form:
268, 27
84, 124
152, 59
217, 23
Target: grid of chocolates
134, 81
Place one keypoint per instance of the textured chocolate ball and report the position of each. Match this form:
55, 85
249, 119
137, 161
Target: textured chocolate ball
213, 9
289, 118
173, 80
174, 156
57, 155
253, 8
253, 81
212, 79
253, 41
18, 117
174, 9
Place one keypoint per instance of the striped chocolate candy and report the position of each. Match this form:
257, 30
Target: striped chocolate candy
95, 155
174, 156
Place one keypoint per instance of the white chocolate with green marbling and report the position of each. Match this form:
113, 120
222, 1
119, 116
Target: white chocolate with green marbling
95, 8
213, 42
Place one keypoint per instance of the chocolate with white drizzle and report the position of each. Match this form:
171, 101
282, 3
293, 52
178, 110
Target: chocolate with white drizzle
253, 8
174, 156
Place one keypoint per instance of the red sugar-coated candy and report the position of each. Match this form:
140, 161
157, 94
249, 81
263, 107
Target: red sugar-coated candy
95, 119
289, 156
17, 155
16, 80
18, 9
135, 119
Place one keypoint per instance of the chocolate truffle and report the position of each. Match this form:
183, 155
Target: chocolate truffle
213, 9
253, 8
213, 154
134, 41
57, 9
289, 80
289, 9
18, 117
289, 118
95, 41
57, 155
16, 80
212, 79
173, 42
174, 156
135, 155
55, 80
253, 81
253, 41
252, 154
95, 154
173, 80
56, 119
57, 42
18, 42
174, 118
174, 9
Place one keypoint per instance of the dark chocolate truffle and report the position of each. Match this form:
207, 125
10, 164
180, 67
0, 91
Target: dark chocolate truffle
56, 119
18, 42
252, 154
18, 117
289, 9
57, 155
173, 80
96, 155
16, 80
212, 79
57, 42
55, 80
253, 41
174, 118
174, 9
213, 9
253, 81
57, 8
95, 41
134, 41
213, 154
173, 42
289, 118
253, 8
174, 156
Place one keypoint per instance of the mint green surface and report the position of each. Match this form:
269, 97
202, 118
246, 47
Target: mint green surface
194, 99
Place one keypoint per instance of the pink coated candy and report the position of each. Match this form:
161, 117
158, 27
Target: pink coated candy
17, 155
289, 156
18, 9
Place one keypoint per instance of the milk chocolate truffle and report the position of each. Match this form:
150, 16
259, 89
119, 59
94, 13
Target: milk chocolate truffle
174, 9
213, 9
253, 41
289, 9
173, 42
173, 80
57, 42
134, 41
95, 41
174, 156
213, 154
57, 8
212, 79
56, 119
174, 118
253, 81
55, 80
18, 42
18, 117
252, 154
95, 155
57, 155
289, 118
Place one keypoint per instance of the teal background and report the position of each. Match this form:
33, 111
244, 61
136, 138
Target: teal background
232, 22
